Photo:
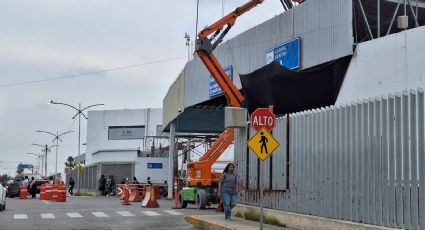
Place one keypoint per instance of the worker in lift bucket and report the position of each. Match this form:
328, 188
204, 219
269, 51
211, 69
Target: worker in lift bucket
228, 189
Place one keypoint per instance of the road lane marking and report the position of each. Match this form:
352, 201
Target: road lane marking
74, 215
47, 215
46, 202
125, 213
100, 214
172, 212
150, 213
20, 216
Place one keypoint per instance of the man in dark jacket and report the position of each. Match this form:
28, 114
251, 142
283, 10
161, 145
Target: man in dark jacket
102, 184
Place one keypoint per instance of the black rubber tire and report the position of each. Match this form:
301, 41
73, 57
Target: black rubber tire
1, 207
201, 199
182, 203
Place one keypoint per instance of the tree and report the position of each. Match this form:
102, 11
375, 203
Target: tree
4, 178
70, 164
19, 171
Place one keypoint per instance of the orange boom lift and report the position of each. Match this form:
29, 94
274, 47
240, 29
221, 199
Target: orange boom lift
202, 183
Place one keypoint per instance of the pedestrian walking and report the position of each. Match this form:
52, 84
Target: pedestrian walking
25, 181
109, 186
32, 188
228, 189
135, 181
102, 185
149, 181
71, 186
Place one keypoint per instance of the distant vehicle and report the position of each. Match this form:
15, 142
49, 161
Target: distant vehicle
2, 197
14, 186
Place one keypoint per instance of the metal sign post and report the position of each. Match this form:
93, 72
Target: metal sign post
263, 144
261, 194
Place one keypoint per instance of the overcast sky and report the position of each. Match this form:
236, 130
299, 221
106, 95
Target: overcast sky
51, 38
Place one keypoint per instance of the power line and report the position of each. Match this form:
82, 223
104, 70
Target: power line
90, 73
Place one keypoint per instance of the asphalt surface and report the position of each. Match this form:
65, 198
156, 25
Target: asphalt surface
93, 213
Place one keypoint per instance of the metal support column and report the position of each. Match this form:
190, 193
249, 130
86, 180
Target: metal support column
171, 160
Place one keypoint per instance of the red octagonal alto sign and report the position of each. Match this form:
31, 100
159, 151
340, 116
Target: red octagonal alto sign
263, 117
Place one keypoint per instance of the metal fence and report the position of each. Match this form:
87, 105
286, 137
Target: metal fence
363, 162
88, 179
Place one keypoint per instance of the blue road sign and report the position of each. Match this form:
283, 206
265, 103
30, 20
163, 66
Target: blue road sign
154, 165
214, 88
286, 54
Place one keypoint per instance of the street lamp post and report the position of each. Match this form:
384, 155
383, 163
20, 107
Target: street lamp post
39, 159
45, 149
57, 139
79, 113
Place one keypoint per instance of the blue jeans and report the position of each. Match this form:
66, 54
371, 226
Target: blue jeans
228, 199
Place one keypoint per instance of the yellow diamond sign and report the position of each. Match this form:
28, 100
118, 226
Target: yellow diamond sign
263, 144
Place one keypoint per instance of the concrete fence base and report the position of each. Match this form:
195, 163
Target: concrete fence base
307, 222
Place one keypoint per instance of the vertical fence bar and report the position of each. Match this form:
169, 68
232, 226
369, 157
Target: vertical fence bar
363, 162
333, 163
303, 163
421, 156
406, 158
345, 194
378, 163
413, 162
299, 168
398, 160
384, 179
328, 162
391, 162
337, 164
354, 161
315, 162
309, 161
371, 162
320, 156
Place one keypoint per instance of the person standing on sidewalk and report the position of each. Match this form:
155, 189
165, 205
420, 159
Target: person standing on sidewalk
102, 185
227, 188
71, 186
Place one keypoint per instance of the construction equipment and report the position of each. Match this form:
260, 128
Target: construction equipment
202, 183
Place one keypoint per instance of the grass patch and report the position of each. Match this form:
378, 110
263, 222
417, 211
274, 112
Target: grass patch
254, 216
238, 214
82, 194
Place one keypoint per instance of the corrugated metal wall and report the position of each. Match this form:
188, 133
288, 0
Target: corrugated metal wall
173, 100
363, 162
325, 29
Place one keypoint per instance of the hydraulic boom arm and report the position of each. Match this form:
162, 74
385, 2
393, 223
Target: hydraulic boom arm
199, 173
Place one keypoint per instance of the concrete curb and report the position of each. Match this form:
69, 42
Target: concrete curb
201, 223
301, 221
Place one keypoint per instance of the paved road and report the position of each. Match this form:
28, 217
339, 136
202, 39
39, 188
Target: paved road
93, 213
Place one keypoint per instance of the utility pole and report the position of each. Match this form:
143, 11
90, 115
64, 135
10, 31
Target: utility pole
57, 139
80, 112
45, 150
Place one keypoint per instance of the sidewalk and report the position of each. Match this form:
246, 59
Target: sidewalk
217, 222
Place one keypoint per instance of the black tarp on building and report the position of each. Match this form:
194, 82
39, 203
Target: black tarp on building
294, 91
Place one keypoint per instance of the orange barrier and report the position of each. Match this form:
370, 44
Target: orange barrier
176, 193
126, 192
59, 193
49, 191
149, 201
43, 192
136, 193
23, 192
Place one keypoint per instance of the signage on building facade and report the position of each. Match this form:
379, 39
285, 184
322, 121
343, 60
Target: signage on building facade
154, 165
286, 54
214, 88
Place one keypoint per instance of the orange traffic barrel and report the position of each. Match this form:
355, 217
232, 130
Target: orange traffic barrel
149, 201
23, 192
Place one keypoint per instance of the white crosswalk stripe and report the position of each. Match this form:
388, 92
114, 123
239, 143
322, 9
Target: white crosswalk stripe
20, 216
125, 213
150, 213
100, 214
172, 212
47, 215
74, 215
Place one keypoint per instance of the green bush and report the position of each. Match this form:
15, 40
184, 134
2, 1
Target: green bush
82, 194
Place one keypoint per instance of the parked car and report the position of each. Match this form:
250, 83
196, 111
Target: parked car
2, 197
14, 186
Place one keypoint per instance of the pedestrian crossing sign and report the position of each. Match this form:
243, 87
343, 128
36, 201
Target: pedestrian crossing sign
263, 144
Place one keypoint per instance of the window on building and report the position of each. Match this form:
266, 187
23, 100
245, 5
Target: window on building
126, 132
